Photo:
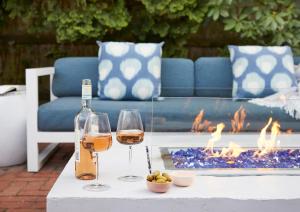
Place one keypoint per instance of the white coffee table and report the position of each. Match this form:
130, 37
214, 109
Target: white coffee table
247, 193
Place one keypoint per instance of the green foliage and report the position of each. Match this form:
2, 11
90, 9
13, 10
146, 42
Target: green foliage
266, 22
90, 22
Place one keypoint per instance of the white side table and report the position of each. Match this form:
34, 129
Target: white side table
13, 127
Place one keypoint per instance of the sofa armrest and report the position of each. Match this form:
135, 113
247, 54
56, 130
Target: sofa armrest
40, 71
32, 93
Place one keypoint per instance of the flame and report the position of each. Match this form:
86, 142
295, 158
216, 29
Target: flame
237, 123
216, 136
266, 145
233, 151
197, 121
199, 125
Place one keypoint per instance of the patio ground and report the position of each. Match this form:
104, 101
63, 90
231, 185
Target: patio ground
23, 191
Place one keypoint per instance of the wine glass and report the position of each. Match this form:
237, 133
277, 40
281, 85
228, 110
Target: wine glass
97, 138
130, 132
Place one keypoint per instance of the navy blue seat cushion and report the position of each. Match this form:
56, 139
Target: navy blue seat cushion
213, 77
59, 114
170, 113
70, 71
177, 76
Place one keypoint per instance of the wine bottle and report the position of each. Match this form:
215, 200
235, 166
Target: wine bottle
85, 163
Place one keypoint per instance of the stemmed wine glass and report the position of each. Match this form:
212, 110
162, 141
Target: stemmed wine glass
97, 138
130, 132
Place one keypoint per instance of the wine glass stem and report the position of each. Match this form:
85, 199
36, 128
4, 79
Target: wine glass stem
130, 160
97, 170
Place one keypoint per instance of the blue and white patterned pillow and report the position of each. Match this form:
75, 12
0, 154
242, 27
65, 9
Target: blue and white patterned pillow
129, 71
260, 71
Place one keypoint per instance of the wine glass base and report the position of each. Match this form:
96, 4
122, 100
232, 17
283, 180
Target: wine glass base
131, 178
96, 187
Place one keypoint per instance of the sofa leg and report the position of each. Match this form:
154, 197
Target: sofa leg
36, 159
32, 156
46, 153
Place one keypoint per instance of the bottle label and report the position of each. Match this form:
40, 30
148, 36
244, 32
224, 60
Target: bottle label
94, 157
86, 91
77, 147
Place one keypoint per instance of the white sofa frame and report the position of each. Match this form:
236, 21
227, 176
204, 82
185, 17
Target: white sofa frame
36, 158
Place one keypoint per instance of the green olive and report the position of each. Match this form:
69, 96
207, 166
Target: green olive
156, 173
169, 179
150, 178
160, 181
166, 175
164, 178
159, 177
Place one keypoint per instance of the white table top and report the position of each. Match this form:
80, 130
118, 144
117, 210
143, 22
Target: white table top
114, 163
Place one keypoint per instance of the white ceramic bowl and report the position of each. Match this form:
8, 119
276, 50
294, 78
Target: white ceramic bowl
183, 178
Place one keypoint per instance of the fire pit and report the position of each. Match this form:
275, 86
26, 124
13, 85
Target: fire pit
266, 151
195, 158
266, 155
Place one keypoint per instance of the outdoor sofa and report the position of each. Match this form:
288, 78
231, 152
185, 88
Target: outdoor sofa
187, 88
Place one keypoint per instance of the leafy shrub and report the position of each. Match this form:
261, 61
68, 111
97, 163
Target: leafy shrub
267, 22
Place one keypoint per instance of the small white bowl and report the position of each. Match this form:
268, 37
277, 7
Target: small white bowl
183, 178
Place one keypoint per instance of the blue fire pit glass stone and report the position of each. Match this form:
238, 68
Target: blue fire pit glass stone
198, 158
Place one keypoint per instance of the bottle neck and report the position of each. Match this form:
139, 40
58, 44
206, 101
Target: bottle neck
86, 103
86, 94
